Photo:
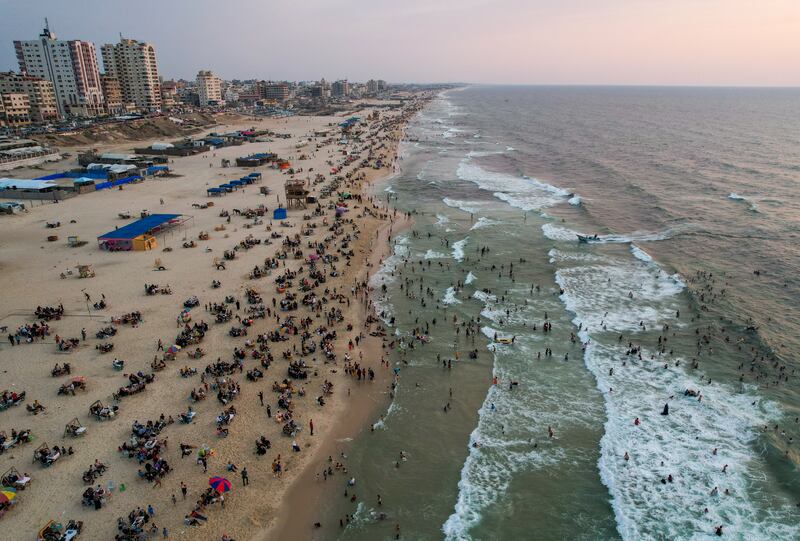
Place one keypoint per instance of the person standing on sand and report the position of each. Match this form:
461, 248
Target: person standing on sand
311, 426
245, 477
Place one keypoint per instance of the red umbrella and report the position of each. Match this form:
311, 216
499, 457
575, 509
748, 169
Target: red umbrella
220, 484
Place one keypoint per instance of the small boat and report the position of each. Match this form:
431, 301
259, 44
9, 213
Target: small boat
504, 341
588, 238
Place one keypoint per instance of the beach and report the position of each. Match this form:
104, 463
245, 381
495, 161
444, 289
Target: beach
343, 249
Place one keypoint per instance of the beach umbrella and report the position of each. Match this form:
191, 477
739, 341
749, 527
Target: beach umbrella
78, 379
220, 484
7, 494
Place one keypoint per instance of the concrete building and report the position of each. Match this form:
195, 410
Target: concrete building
320, 90
72, 68
340, 89
133, 64
41, 96
273, 91
113, 94
169, 94
209, 88
16, 110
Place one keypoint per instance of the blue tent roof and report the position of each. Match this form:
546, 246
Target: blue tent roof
139, 227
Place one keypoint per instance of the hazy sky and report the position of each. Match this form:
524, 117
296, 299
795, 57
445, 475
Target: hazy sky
675, 42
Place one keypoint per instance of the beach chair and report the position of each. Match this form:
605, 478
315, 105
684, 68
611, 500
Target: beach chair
74, 428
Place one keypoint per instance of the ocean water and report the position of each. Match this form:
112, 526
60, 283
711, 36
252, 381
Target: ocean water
687, 299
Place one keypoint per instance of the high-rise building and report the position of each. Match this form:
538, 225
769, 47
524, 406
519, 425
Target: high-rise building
273, 91
41, 97
340, 89
209, 88
16, 111
133, 64
319, 91
112, 92
72, 68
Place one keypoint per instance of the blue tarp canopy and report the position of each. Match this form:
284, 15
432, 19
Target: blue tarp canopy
155, 168
279, 214
140, 227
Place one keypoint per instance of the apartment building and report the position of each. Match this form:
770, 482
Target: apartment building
133, 64
112, 91
16, 111
273, 91
41, 96
340, 89
72, 68
209, 88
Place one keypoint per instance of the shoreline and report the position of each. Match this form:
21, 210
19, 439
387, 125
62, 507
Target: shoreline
301, 503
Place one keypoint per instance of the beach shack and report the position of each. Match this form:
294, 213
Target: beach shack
139, 235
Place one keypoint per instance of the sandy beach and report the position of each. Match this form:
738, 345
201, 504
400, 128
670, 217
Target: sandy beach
31, 269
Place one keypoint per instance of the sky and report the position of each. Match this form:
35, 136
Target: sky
604, 42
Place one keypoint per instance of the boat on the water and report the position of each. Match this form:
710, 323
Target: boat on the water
588, 238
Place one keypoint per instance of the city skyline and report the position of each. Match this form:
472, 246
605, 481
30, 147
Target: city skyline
684, 42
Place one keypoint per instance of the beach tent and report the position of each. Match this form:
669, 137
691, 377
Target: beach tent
279, 214
215, 191
137, 235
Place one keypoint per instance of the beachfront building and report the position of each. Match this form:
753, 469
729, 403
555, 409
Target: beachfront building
40, 93
72, 68
169, 94
23, 152
376, 86
113, 94
15, 110
209, 88
273, 91
340, 89
318, 92
133, 64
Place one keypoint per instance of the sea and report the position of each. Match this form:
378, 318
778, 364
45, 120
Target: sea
662, 403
